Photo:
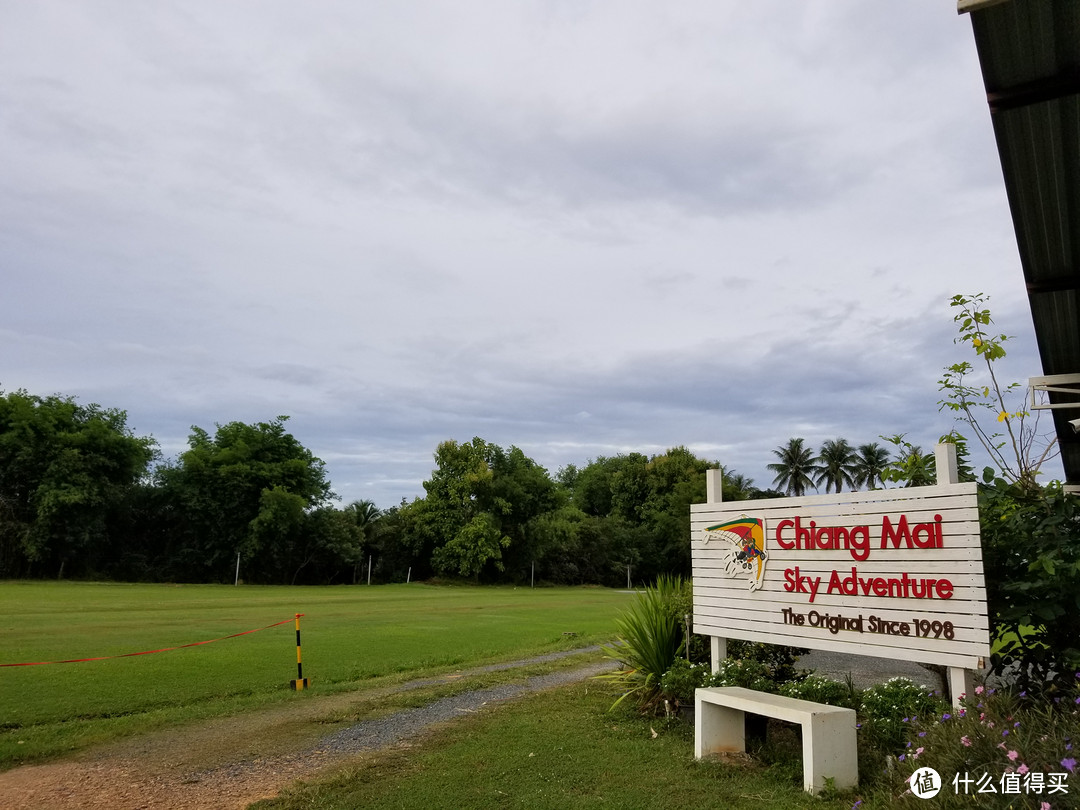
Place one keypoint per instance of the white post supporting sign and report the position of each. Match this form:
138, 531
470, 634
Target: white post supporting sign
888, 573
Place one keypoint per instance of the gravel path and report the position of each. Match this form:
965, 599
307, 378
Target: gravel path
407, 724
865, 670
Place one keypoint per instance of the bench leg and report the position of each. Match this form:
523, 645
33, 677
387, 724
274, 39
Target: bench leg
718, 729
829, 750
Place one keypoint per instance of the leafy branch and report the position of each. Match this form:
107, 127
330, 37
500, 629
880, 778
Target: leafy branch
1016, 451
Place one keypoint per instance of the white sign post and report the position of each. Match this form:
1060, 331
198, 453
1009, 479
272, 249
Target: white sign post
889, 573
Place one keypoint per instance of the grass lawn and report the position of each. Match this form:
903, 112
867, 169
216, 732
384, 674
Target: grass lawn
558, 749
351, 635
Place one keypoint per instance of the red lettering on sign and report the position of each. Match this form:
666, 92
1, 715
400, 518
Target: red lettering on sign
904, 587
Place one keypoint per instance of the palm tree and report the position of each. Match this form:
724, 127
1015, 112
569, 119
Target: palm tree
834, 465
912, 467
870, 462
915, 468
736, 486
794, 468
364, 513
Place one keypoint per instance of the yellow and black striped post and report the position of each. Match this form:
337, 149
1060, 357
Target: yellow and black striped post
301, 682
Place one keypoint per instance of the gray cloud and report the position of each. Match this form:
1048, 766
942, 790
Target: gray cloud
579, 228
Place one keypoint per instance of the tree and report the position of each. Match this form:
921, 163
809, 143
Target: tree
611, 484
1021, 450
65, 469
835, 465
736, 486
870, 462
243, 492
795, 467
477, 543
676, 479
331, 546
364, 514
912, 467
479, 504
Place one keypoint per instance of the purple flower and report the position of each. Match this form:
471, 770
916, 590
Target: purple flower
946, 716
922, 733
1070, 764
901, 758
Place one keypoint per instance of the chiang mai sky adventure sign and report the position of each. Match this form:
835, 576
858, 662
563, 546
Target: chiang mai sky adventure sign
889, 573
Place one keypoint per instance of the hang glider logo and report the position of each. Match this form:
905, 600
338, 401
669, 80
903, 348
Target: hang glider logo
747, 556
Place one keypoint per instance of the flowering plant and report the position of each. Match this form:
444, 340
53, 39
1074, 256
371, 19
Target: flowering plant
1019, 745
888, 708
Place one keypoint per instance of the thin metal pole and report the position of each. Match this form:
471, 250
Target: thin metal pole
369, 568
237, 580
408, 577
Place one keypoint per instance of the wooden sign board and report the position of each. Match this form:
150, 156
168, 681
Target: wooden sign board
889, 573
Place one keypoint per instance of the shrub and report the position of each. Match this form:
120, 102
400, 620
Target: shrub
778, 659
887, 709
744, 672
756, 669
997, 738
820, 689
679, 682
648, 641
1031, 555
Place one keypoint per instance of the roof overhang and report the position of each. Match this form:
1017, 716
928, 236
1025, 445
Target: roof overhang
1029, 51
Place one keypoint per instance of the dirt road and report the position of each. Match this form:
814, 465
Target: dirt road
226, 763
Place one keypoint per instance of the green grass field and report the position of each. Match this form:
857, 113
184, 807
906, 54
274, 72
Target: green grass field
350, 635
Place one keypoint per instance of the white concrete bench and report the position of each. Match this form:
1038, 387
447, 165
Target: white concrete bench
828, 732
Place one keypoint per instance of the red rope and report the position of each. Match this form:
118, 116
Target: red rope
147, 652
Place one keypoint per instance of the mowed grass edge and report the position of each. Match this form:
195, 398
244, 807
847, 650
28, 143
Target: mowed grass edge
352, 636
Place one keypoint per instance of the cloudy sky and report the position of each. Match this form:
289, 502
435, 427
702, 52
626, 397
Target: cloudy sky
580, 227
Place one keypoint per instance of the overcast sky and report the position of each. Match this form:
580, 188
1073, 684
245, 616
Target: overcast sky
582, 228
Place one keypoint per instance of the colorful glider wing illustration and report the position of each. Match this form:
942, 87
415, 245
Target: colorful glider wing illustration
747, 558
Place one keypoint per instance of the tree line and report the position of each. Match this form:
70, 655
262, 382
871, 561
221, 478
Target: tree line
82, 496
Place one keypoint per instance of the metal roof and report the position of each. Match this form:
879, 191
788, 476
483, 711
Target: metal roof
1030, 56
